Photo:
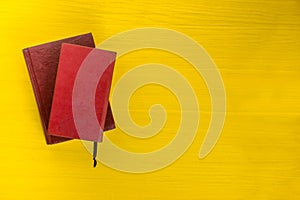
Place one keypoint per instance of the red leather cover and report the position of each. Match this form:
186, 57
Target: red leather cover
83, 63
42, 62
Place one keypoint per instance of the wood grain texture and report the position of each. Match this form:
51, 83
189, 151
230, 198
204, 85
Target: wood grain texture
256, 46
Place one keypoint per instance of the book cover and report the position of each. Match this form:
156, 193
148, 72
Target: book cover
78, 106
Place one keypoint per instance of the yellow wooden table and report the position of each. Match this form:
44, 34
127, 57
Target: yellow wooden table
256, 46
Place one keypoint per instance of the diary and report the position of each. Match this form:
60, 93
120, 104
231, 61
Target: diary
80, 100
42, 63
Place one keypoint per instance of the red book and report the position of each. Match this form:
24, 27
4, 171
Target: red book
81, 93
42, 62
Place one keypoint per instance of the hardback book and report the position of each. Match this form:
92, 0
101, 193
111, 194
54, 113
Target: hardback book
42, 63
82, 87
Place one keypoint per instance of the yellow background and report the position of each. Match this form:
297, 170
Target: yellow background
256, 46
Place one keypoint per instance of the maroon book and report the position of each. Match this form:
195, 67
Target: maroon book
80, 100
42, 63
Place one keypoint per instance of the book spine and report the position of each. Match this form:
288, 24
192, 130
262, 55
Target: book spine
35, 87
